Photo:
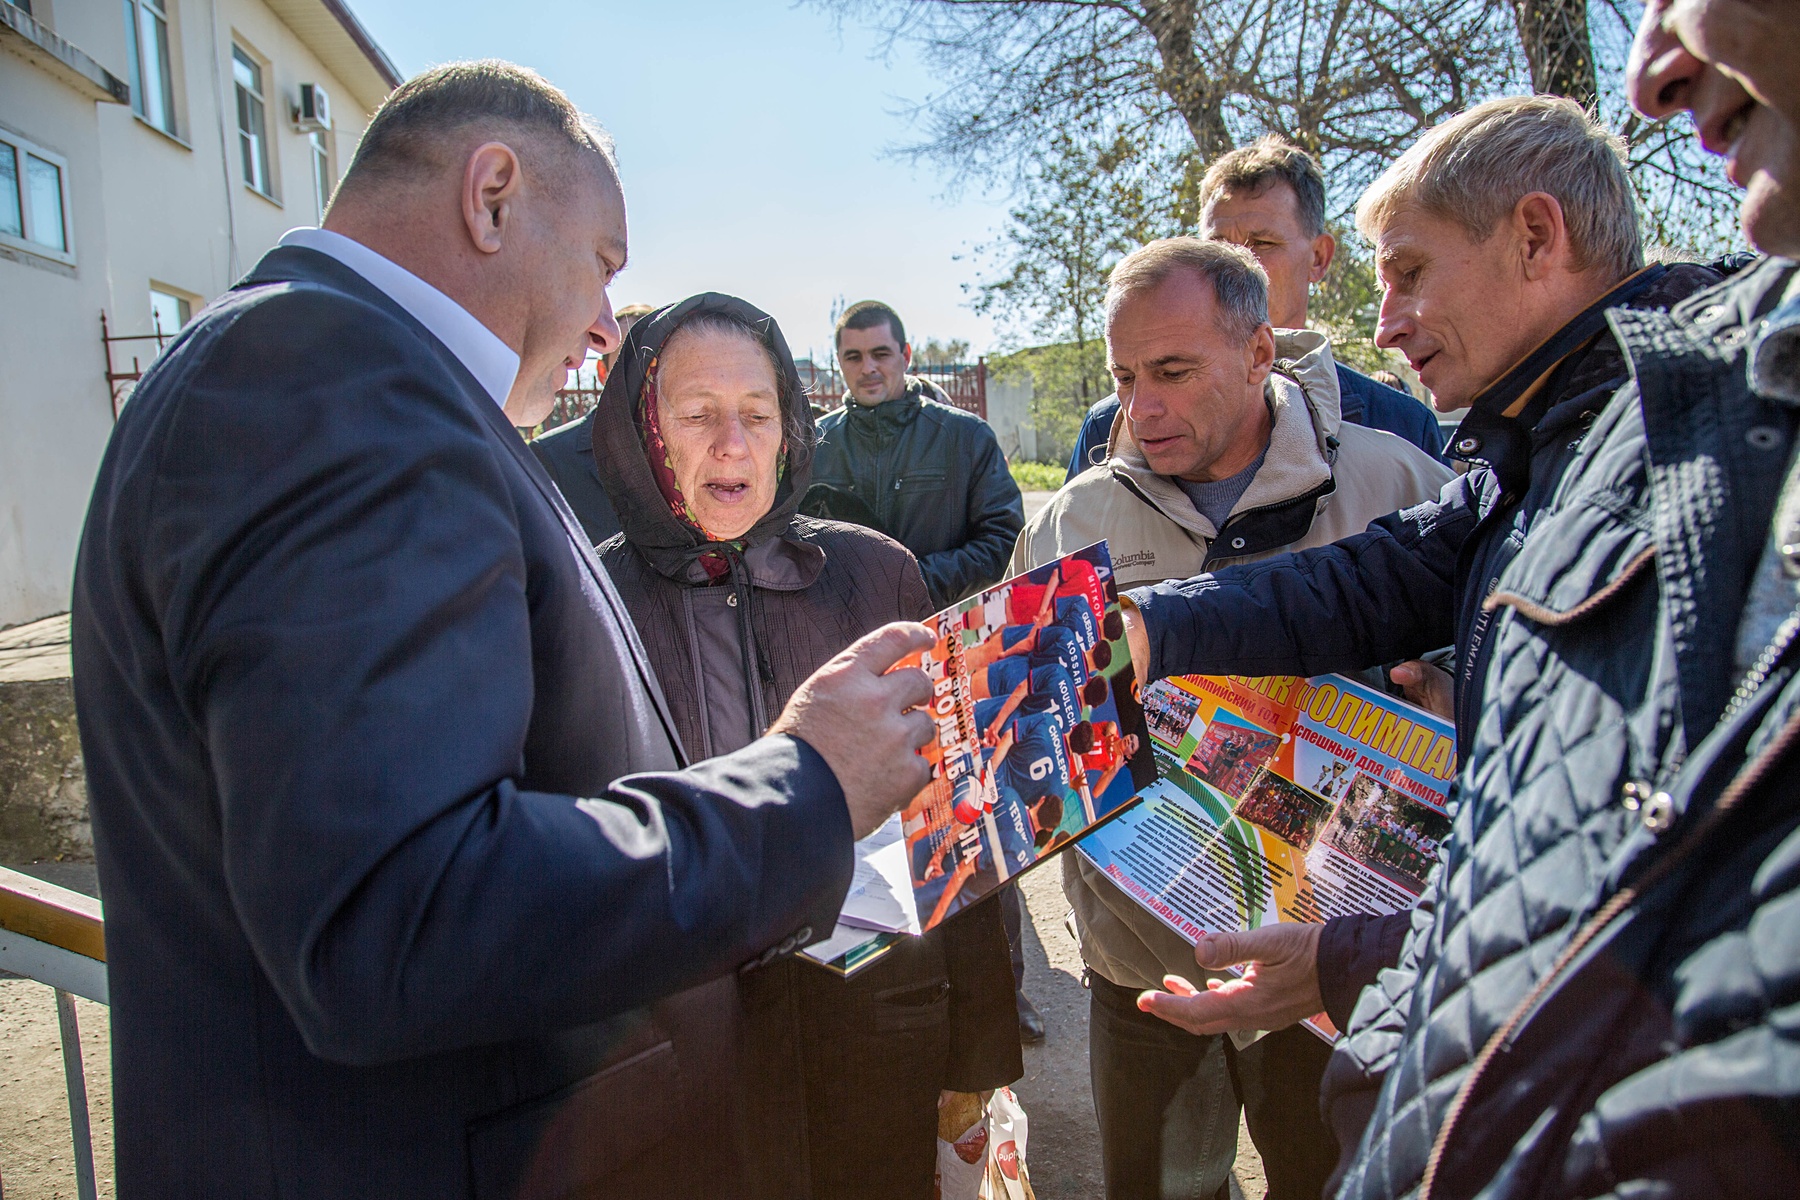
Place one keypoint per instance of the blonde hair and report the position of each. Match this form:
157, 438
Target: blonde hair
1474, 168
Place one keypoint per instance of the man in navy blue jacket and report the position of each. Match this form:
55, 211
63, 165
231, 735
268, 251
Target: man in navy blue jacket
1269, 198
392, 823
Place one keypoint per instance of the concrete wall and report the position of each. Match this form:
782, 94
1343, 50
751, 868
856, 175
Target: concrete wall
1009, 413
147, 208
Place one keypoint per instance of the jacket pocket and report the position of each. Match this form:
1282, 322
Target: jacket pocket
920, 482
1583, 559
611, 1134
911, 1006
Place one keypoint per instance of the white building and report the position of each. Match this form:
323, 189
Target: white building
150, 152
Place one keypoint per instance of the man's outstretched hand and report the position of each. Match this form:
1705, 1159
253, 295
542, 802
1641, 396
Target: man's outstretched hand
866, 723
1280, 986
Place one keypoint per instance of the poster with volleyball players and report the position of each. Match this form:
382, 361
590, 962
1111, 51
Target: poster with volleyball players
1040, 731
1281, 799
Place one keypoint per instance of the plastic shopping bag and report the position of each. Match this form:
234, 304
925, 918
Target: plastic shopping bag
981, 1150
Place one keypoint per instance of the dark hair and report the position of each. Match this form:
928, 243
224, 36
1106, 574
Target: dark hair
867, 314
1081, 738
1102, 655
1113, 627
405, 137
1093, 692
1262, 164
1049, 816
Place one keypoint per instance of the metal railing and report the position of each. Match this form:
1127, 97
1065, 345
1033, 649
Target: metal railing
58, 937
964, 383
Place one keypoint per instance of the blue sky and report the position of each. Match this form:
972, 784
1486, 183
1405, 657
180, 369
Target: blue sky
751, 139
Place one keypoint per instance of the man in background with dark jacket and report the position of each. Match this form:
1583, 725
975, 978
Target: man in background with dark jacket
931, 476
1269, 198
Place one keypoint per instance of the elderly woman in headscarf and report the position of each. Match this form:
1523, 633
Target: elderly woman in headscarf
705, 439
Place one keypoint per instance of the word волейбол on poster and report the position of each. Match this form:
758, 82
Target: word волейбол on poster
1040, 737
1281, 799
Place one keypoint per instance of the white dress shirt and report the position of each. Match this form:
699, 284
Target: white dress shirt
490, 360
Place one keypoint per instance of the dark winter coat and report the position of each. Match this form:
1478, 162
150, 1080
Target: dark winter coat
935, 480
840, 1077
1597, 995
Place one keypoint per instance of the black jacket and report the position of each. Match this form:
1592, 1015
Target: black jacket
935, 480
832, 1081
1595, 995
567, 454
356, 700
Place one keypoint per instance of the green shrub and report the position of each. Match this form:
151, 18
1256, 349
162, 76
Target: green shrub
1037, 476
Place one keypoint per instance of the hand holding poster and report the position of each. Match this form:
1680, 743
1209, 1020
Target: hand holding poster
1281, 799
1040, 737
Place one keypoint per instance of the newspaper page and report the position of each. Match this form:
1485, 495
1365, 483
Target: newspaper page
1041, 737
1281, 799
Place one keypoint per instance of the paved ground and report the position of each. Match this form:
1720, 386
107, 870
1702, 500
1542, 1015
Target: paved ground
1063, 1151
40, 650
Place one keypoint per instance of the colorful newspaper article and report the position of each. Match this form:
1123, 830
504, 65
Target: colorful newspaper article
1040, 739
1281, 799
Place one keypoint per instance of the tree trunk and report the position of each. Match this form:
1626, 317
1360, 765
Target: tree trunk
1558, 48
1198, 97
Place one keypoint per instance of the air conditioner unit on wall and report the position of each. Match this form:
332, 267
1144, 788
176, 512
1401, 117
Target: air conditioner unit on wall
313, 113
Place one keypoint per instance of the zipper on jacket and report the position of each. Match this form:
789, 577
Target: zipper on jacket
1747, 777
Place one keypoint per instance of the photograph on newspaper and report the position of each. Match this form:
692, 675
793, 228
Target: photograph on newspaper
1281, 799
1040, 737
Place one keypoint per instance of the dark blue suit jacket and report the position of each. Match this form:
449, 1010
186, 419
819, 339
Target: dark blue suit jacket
1361, 401
343, 662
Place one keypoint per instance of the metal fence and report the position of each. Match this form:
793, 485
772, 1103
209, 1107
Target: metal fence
964, 383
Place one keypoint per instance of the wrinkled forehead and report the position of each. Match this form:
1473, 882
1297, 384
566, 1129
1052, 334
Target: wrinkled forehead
1271, 205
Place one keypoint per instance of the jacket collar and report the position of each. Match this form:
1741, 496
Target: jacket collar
893, 414
1296, 476
476, 346
1775, 350
295, 264
1710, 497
1503, 415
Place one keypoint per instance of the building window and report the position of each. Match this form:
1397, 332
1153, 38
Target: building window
34, 202
321, 167
253, 121
168, 312
147, 46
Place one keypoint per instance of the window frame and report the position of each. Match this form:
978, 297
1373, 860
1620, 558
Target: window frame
136, 23
318, 150
26, 150
257, 63
183, 302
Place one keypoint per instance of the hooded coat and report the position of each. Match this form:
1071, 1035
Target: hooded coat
839, 1078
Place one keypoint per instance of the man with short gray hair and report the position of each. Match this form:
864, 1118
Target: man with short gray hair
1230, 449
1567, 568
1269, 198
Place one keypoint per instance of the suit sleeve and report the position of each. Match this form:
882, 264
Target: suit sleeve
343, 592
1384, 594
996, 513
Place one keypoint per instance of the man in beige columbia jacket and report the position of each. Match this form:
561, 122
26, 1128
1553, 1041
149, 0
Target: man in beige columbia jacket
1228, 447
